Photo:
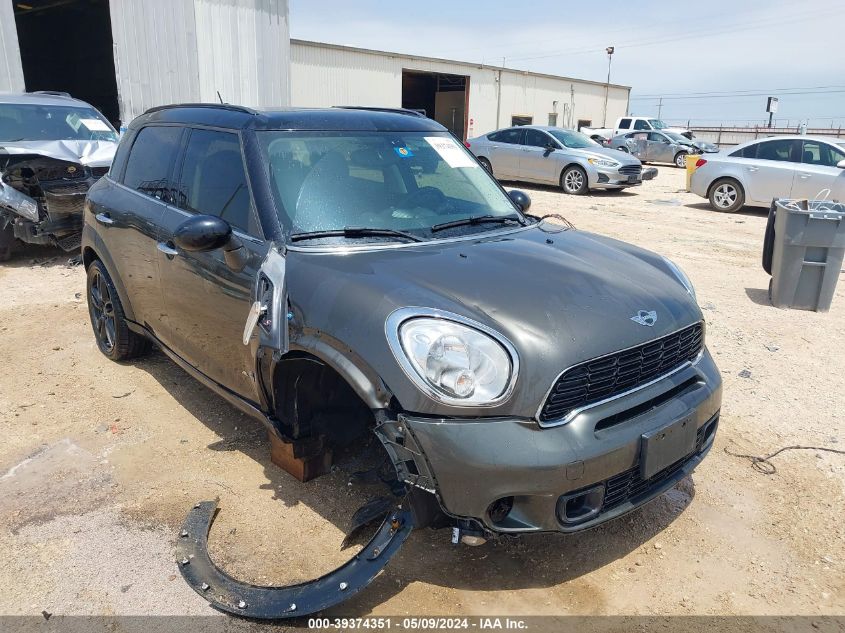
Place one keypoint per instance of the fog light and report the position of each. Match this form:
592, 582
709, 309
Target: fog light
580, 506
500, 509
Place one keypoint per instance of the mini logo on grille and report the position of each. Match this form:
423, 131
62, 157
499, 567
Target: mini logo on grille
71, 170
645, 318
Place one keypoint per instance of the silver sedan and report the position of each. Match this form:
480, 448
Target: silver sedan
553, 155
656, 147
754, 173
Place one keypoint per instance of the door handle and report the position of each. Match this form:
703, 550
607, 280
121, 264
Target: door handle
104, 218
803, 176
167, 248
752, 169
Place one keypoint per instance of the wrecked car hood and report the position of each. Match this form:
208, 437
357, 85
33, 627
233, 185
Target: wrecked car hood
90, 153
560, 296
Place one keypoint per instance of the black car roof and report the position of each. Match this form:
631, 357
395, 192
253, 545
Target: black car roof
334, 119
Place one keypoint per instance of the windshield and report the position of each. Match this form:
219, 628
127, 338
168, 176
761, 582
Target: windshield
33, 122
573, 139
408, 182
657, 124
678, 138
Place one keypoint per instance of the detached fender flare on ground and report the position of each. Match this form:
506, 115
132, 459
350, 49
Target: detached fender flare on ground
233, 596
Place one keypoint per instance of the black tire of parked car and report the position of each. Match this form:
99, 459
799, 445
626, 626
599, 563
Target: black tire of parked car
8, 244
114, 338
486, 164
738, 202
681, 160
570, 179
623, 149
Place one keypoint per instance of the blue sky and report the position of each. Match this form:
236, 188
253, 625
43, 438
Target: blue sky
676, 49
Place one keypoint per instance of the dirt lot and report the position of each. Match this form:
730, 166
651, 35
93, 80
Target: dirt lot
100, 462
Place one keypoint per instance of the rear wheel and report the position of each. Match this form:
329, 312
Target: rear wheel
114, 338
681, 160
486, 164
573, 180
726, 195
622, 148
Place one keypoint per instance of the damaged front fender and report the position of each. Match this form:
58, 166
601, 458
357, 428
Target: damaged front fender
228, 594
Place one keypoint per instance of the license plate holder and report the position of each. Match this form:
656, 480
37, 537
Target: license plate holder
664, 446
633, 179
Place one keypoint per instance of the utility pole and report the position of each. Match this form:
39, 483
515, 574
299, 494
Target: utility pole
659, 107
499, 94
609, 50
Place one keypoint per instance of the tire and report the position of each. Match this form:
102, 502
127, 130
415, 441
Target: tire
726, 195
623, 149
486, 164
573, 181
111, 331
681, 160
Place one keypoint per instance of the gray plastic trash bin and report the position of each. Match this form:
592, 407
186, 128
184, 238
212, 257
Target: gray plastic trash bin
809, 244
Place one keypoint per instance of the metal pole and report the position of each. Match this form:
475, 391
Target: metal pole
609, 50
660, 108
499, 95
770, 118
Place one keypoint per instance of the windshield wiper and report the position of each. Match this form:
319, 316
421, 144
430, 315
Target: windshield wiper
354, 231
478, 219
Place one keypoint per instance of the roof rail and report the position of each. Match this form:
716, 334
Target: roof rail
52, 93
210, 106
405, 111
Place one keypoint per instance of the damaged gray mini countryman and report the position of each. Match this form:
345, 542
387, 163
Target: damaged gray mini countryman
345, 272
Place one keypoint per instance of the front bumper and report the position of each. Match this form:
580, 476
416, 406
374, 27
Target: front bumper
613, 177
471, 464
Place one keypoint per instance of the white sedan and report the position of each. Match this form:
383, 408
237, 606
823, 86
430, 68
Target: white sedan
756, 172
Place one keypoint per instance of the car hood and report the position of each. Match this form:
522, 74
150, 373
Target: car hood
560, 297
605, 152
90, 153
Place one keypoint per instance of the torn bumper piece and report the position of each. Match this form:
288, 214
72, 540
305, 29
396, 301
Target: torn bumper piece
227, 594
18, 202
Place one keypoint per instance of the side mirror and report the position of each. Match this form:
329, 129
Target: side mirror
841, 164
202, 233
520, 199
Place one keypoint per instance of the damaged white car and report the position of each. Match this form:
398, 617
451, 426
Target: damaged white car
52, 149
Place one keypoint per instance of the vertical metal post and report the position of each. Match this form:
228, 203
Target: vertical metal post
609, 50
660, 108
771, 114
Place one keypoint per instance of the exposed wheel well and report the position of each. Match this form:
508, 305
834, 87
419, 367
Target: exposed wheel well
88, 256
312, 399
567, 166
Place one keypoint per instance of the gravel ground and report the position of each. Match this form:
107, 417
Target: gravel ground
100, 463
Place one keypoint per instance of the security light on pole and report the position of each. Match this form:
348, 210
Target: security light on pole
609, 50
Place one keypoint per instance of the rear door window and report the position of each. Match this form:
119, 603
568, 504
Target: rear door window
536, 138
151, 159
624, 124
213, 180
746, 152
512, 136
784, 150
641, 125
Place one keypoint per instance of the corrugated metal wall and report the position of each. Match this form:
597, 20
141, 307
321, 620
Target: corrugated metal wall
155, 54
243, 51
11, 72
181, 51
326, 75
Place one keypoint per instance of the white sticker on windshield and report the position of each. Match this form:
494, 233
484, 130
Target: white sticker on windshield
450, 151
95, 125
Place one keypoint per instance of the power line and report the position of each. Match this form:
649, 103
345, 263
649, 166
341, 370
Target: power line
743, 96
736, 92
763, 22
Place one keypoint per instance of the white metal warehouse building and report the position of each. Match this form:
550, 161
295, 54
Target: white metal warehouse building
125, 56
469, 99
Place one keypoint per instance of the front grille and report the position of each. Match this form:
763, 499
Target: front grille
630, 485
99, 172
617, 373
631, 170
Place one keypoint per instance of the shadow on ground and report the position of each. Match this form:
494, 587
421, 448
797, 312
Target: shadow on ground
754, 212
32, 255
760, 296
533, 561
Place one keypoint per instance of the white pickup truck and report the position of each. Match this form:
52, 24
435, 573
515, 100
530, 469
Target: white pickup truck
629, 123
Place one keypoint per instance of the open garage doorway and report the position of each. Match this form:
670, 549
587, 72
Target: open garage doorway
66, 45
440, 96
